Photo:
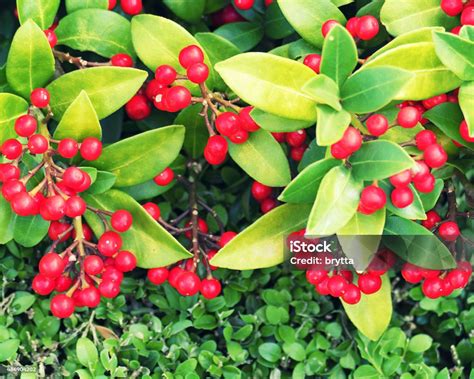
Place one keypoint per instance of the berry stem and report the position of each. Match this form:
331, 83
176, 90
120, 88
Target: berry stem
77, 61
77, 222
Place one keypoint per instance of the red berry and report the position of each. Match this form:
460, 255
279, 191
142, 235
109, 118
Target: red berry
428, 273
424, 139
338, 152
449, 231
165, 75
210, 288
38, 144
8, 172
297, 153
198, 73
434, 101
464, 131
327, 26
75, 207
373, 198
68, 148
458, 278
188, 284
121, 60
377, 124
432, 288
211, 254
260, 191
190, 55
279, 136
93, 265
228, 123
121, 220
402, 179
51, 265
452, 7
352, 26
165, 177
56, 229
112, 4
158, 275
426, 184
351, 294
402, 197
435, 156
246, 121
90, 297
315, 276
268, 2
432, 219
109, 288
367, 28
153, 210
411, 273
138, 108
369, 283
337, 285
467, 16
125, 261
53, 208
313, 61
113, 274
420, 170
226, 15
226, 237
296, 139
109, 243
73, 177
244, 4
177, 98
215, 151
91, 148
25, 126
86, 183
11, 188
12, 149
51, 37
267, 205
40, 97
408, 117
202, 227
322, 286
63, 283
131, 7
153, 89
62, 306
351, 140
239, 137
174, 275
43, 285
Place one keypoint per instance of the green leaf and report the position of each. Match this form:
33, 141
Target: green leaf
75, 5
270, 83
196, 132
379, 159
276, 26
323, 90
11, 107
334, 208
42, 12
466, 102
415, 211
273, 123
148, 240
87, 352
456, 53
104, 181
270, 351
263, 244
467, 32
447, 117
6, 224
190, 11
8, 349
339, 56
30, 62
429, 200
372, 314
401, 16
431, 76
331, 125
304, 188
22, 302
244, 35
272, 169
139, 158
79, 121
108, 88
370, 89
100, 31
360, 237
416, 244
420, 343
307, 17
29, 231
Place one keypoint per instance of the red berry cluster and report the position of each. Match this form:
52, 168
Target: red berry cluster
184, 275
350, 142
349, 286
263, 194
296, 141
455, 7
448, 230
364, 28
438, 283
56, 199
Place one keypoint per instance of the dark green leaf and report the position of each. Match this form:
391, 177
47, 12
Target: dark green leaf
196, 132
273, 123
276, 26
244, 35
415, 211
429, 200
190, 11
104, 181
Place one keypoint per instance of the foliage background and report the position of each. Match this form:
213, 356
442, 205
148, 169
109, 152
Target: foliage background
267, 323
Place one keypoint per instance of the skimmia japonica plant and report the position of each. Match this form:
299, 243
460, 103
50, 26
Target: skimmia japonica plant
124, 132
